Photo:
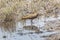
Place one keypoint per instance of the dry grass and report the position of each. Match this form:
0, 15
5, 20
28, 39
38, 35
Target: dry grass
53, 37
18, 8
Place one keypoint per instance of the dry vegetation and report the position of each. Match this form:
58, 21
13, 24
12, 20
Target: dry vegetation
53, 37
11, 11
52, 25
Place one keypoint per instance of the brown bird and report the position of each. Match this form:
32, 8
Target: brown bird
30, 16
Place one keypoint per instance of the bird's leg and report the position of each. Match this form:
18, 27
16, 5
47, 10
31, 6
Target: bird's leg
31, 22
24, 22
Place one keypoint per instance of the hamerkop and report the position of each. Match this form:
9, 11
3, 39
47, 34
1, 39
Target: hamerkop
31, 16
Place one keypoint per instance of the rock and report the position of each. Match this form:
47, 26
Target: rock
4, 36
54, 37
33, 28
52, 25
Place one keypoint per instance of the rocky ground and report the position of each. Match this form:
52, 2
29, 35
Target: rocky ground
45, 27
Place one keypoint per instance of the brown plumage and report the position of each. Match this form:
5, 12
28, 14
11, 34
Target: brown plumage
30, 16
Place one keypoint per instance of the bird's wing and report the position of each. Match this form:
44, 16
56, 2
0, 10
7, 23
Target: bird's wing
29, 16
